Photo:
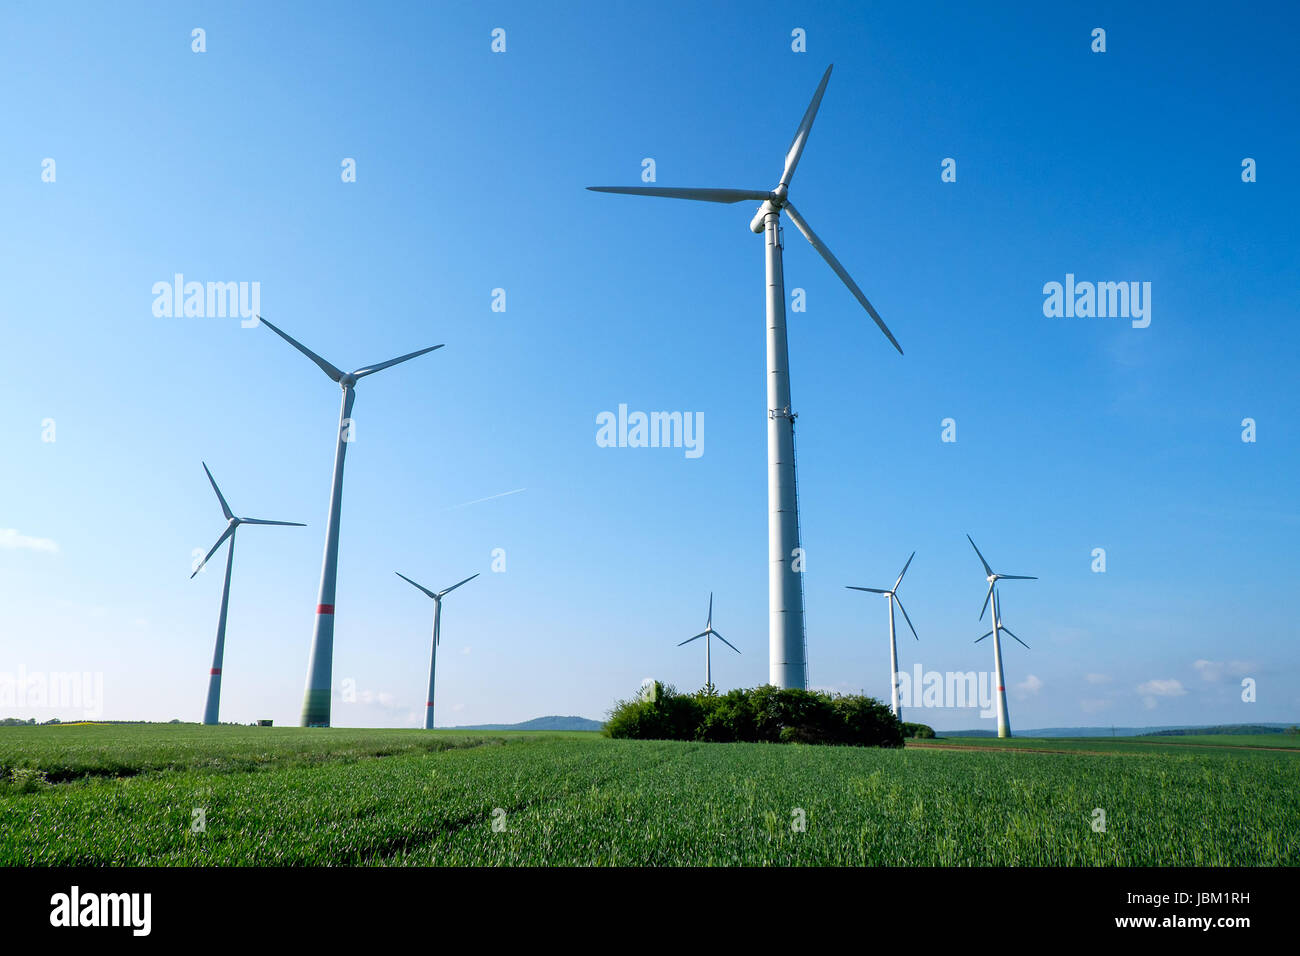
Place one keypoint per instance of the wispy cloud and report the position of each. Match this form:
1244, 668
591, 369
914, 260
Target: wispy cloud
12, 540
1215, 671
381, 699
1152, 690
1030, 685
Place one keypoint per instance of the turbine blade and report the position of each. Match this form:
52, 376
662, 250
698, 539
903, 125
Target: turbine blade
986, 603
805, 127
687, 192
413, 584
987, 569
1017, 577
290, 524
709, 622
225, 508
854, 587
727, 642
904, 571
230, 529
906, 618
325, 366
1008, 630
446, 591
371, 369
841, 272
978, 639
695, 638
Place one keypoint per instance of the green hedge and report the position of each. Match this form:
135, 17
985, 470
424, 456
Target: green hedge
762, 714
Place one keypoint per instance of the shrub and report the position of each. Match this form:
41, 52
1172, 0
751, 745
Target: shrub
919, 731
765, 713
658, 713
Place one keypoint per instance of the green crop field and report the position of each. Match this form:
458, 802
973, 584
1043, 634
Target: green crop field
95, 795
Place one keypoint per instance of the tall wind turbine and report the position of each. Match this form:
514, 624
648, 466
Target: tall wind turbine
213, 705
993, 577
892, 596
709, 633
437, 618
786, 644
320, 666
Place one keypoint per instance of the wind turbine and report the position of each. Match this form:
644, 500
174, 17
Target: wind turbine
892, 597
437, 618
709, 633
1004, 723
232, 523
786, 645
320, 666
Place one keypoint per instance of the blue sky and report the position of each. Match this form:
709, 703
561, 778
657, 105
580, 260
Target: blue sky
1072, 434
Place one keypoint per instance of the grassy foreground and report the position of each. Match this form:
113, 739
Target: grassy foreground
95, 795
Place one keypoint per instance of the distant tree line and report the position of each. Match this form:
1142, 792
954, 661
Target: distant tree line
1233, 729
32, 722
763, 714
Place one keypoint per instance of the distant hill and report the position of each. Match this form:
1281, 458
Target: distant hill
540, 723
1180, 730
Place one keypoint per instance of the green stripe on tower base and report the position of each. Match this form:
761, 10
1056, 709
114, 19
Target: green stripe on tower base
316, 708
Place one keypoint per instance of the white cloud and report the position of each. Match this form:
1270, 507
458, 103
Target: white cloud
1097, 678
1162, 688
11, 540
1216, 670
1030, 685
1154, 689
382, 699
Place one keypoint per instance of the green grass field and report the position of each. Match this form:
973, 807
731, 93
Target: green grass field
94, 795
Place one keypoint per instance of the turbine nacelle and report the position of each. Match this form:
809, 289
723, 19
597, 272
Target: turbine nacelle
759, 222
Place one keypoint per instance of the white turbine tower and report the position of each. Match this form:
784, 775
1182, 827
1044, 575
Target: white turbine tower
1004, 722
320, 666
213, 706
437, 639
892, 597
708, 633
786, 644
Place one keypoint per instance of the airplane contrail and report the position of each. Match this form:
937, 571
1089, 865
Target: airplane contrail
466, 504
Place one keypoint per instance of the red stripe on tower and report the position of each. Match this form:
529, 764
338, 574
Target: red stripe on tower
217, 671
429, 704
324, 608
